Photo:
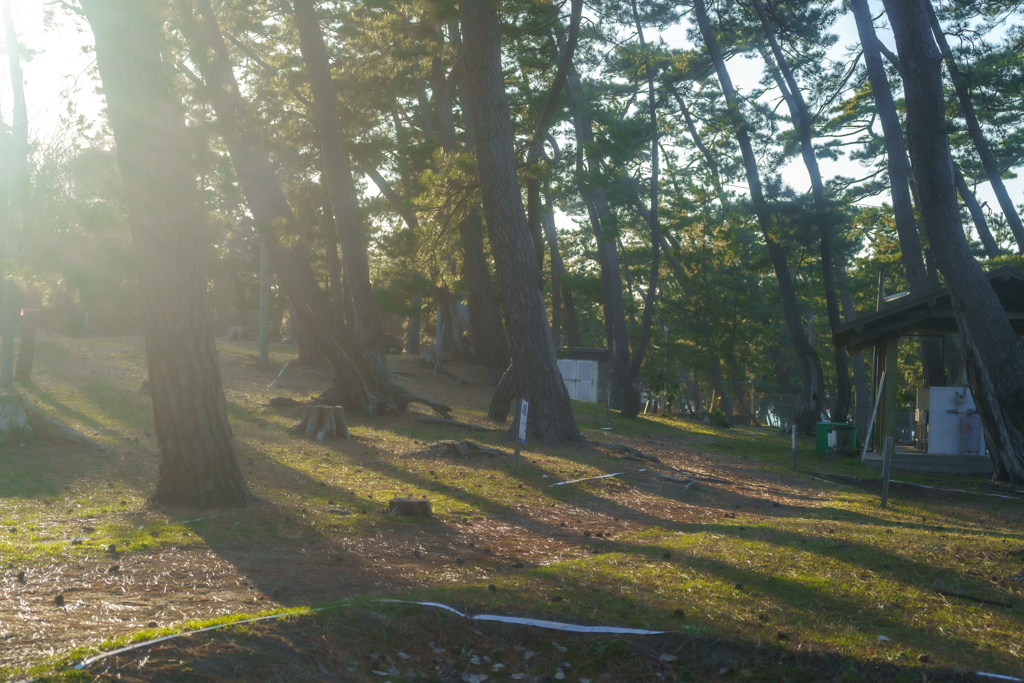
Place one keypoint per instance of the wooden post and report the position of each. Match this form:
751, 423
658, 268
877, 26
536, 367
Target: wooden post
886, 467
887, 426
794, 445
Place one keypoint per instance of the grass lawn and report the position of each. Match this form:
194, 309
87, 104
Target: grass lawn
759, 572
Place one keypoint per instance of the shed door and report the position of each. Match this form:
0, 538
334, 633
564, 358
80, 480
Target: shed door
585, 377
565, 366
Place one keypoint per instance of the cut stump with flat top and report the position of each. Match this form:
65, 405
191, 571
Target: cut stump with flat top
322, 422
410, 507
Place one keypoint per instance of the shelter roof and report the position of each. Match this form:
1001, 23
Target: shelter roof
930, 313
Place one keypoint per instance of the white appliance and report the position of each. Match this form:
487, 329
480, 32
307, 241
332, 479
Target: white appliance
948, 422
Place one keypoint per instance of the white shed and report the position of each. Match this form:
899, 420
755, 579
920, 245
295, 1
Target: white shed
580, 377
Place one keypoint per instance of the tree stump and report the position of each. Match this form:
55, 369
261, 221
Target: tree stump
20, 419
322, 422
410, 507
13, 419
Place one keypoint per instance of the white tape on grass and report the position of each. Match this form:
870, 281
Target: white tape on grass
576, 481
537, 623
921, 485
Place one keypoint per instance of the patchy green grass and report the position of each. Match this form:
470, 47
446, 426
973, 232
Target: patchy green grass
758, 554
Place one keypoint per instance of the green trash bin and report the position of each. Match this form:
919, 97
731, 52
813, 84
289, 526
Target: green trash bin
821, 436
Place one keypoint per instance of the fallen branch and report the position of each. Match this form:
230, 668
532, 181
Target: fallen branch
690, 483
454, 423
974, 598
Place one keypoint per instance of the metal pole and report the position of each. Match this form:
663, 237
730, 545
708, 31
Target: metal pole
264, 304
886, 467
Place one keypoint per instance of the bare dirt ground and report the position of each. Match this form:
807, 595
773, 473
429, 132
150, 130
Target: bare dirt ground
107, 595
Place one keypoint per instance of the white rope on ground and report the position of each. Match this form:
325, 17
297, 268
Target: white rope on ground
537, 623
603, 476
908, 483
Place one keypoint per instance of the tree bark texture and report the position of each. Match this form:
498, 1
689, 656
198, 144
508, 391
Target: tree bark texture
198, 465
813, 392
988, 161
362, 382
802, 120
977, 215
18, 180
486, 334
338, 176
547, 117
862, 406
534, 364
613, 302
996, 353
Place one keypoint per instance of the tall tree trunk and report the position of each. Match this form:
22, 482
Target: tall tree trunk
486, 334
29, 326
362, 382
813, 392
310, 354
572, 326
653, 221
338, 176
802, 120
900, 183
557, 267
198, 465
624, 392
994, 351
547, 117
862, 409
977, 215
412, 332
534, 365
330, 232
961, 86
18, 176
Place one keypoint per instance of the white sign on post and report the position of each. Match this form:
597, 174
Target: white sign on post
522, 422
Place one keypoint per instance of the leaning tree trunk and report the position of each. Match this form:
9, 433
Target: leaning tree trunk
534, 364
338, 176
899, 179
802, 119
813, 392
362, 382
486, 333
18, 177
961, 86
977, 215
198, 465
503, 396
612, 300
995, 352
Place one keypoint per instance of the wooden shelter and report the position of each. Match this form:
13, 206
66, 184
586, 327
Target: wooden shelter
929, 314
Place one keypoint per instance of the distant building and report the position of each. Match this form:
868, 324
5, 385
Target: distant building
585, 372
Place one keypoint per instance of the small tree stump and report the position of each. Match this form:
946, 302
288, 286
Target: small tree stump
410, 507
322, 422
20, 419
13, 418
